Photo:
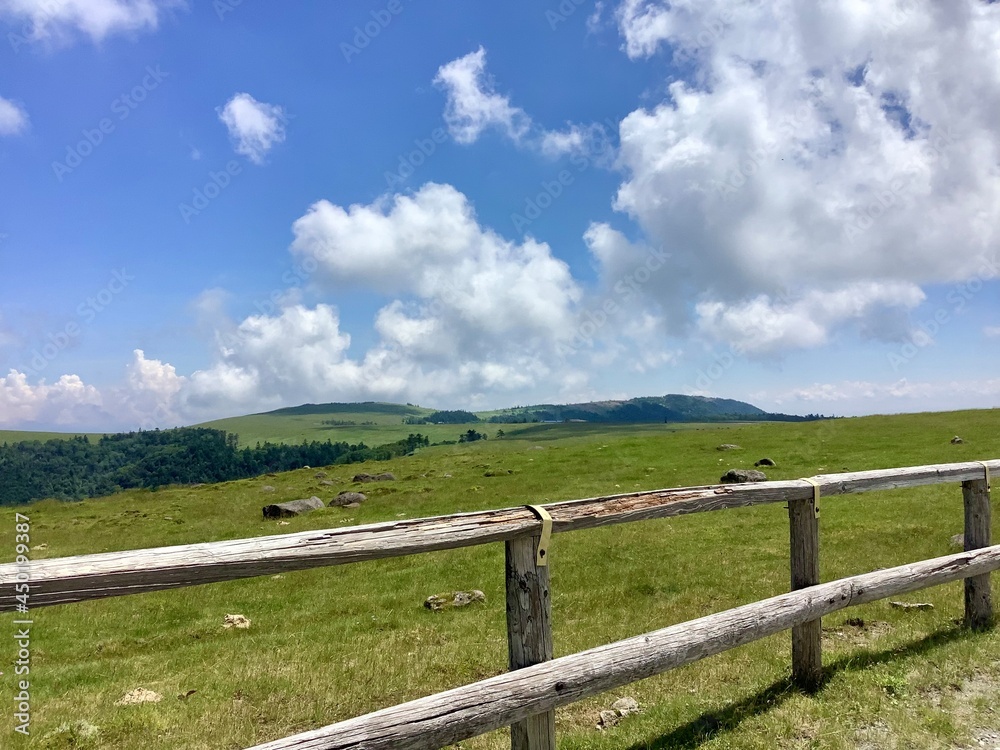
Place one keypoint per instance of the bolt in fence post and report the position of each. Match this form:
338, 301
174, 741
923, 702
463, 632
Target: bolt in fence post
978, 602
529, 633
807, 650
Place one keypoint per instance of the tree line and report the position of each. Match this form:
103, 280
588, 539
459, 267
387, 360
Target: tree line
77, 468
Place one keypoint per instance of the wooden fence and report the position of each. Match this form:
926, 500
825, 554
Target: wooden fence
525, 697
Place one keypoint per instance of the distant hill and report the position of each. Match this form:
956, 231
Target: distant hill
669, 408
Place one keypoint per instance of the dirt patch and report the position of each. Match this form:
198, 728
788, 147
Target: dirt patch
858, 632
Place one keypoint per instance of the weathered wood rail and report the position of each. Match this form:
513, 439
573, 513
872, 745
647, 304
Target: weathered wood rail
525, 697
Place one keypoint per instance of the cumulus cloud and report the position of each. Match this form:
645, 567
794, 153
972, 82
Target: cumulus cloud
13, 118
813, 154
465, 281
96, 18
66, 402
764, 325
255, 127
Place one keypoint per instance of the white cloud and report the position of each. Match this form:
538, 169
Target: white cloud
472, 104
67, 402
991, 332
429, 246
764, 325
255, 127
841, 155
866, 397
13, 118
47, 19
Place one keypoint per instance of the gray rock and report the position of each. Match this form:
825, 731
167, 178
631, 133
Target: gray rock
326, 483
741, 476
292, 508
956, 440
454, 599
320, 475
728, 447
385, 476
346, 498
765, 462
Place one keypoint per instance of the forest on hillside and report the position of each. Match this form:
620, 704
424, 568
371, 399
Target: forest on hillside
78, 468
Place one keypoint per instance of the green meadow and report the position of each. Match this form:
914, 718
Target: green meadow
332, 643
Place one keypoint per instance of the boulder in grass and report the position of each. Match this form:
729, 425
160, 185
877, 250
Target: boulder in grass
385, 476
742, 476
453, 599
764, 462
957, 440
292, 508
728, 447
345, 499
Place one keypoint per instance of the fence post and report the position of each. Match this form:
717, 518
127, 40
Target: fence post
807, 650
529, 634
978, 603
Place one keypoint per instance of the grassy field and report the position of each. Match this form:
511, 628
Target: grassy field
19, 436
333, 643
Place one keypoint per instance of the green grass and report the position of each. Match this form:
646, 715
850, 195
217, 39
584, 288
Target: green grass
333, 643
20, 436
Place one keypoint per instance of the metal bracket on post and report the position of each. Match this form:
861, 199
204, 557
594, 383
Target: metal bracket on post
541, 558
816, 488
987, 467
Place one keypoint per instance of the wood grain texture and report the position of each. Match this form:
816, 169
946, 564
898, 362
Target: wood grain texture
71, 579
529, 634
807, 638
445, 718
978, 518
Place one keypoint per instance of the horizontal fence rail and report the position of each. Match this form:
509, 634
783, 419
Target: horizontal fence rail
84, 577
455, 715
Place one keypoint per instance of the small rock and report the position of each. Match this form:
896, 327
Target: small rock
447, 476
292, 508
453, 599
139, 695
267, 488
765, 462
626, 706
320, 475
741, 476
348, 500
307, 466
914, 605
236, 621
619, 709
283, 523
498, 472
326, 483
728, 447
958, 540
608, 719
956, 440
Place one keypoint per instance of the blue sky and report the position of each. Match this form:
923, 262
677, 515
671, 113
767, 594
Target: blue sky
218, 208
